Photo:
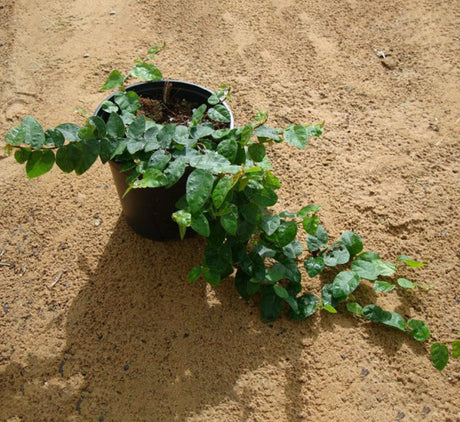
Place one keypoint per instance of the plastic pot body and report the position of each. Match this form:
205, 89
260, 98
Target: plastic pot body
148, 210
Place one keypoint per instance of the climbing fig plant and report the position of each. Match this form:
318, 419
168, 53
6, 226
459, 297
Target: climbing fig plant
230, 187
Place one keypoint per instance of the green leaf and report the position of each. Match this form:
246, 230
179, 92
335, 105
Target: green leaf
345, 283
54, 137
69, 130
211, 276
201, 131
336, 254
310, 224
183, 220
67, 157
256, 152
109, 107
213, 162
174, 172
318, 240
369, 256
194, 273
270, 223
267, 132
410, 262
16, 136
307, 305
293, 250
456, 349
146, 71
396, 321
281, 292
383, 286
365, 269
89, 151
198, 189
376, 313
251, 213
128, 101
406, 284
385, 268
229, 221
328, 297
309, 209
271, 305
158, 160
200, 224
107, 148
33, 132
265, 197
223, 187
353, 242
286, 233
354, 308
330, 309
439, 355
228, 148
22, 155
151, 178
218, 97
198, 114
39, 162
115, 126
296, 135
314, 266
420, 331
219, 113
114, 80
245, 285
137, 128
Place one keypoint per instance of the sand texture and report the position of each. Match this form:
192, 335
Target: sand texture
99, 324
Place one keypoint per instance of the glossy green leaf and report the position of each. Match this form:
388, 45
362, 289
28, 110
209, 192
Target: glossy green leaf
369, 256
183, 220
67, 157
114, 80
152, 178
251, 213
420, 330
307, 305
293, 250
318, 240
128, 101
69, 130
354, 308
194, 273
106, 150
296, 135
198, 189
329, 308
245, 285
310, 224
219, 113
439, 354
336, 254
16, 136
353, 242
54, 137
328, 297
34, 134
228, 148
385, 268
410, 262
281, 292
89, 151
383, 286
22, 155
174, 172
159, 159
405, 283
223, 187
267, 132
39, 162
256, 152
314, 266
309, 209
200, 224
109, 107
115, 126
146, 71
271, 305
396, 321
345, 283
286, 233
456, 349
265, 197
376, 313
270, 223
211, 276
365, 269
229, 221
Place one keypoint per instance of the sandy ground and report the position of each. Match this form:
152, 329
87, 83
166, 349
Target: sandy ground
98, 324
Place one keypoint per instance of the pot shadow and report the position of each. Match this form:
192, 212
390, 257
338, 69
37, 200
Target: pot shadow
144, 344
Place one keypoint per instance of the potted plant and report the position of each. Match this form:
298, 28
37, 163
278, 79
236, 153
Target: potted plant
219, 181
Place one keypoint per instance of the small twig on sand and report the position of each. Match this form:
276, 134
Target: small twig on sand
56, 279
5, 264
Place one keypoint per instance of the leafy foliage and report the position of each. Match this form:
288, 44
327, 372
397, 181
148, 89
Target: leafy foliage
229, 189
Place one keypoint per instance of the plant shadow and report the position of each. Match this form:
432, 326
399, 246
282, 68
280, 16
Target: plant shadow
144, 344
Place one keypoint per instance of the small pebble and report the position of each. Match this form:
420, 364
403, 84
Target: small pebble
389, 62
86, 55
444, 233
400, 415
112, 12
426, 410
6, 307
126, 367
97, 222
364, 372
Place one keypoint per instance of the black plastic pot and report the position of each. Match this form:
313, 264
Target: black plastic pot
148, 211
